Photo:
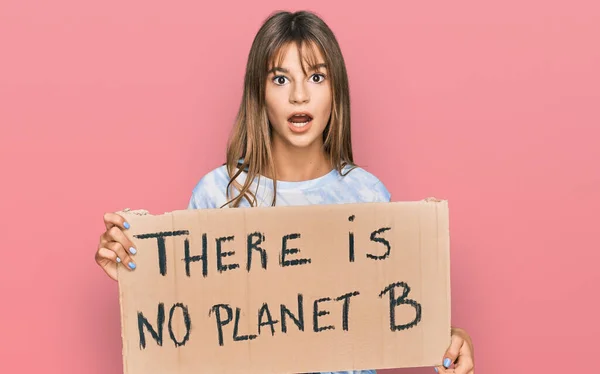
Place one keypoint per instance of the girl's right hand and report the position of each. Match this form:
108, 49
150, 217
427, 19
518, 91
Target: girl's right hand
111, 248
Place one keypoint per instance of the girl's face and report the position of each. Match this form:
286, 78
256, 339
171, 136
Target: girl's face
298, 105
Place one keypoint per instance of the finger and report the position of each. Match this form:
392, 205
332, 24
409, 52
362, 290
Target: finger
107, 261
452, 353
115, 234
106, 254
114, 219
442, 370
122, 255
464, 366
464, 363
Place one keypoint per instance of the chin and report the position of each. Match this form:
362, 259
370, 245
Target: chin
301, 142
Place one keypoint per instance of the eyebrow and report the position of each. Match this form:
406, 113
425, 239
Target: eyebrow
311, 68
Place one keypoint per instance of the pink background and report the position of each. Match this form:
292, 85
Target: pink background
495, 107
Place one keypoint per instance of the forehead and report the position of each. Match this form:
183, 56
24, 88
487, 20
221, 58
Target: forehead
294, 54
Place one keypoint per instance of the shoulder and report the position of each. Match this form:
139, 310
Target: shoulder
365, 182
210, 191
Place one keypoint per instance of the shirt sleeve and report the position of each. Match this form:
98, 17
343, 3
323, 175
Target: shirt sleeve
382, 193
201, 197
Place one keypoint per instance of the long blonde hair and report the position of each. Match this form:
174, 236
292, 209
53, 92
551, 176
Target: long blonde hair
250, 140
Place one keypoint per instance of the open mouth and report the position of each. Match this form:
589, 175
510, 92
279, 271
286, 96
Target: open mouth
300, 119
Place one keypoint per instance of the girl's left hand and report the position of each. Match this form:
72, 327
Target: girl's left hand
460, 353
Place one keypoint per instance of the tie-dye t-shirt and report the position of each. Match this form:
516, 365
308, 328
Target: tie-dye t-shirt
355, 186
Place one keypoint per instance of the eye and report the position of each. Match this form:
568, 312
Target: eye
279, 80
315, 78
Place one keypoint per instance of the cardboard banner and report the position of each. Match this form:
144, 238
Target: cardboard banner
287, 289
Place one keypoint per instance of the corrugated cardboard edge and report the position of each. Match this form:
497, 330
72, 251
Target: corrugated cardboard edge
125, 213
122, 312
447, 254
143, 212
448, 274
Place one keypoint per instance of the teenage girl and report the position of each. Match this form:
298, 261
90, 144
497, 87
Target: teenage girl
290, 144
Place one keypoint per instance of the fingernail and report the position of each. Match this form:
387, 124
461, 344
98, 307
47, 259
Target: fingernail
126, 224
132, 265
436, 370
118, 259
132, 250
447, 363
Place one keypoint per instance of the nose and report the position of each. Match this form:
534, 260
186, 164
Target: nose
299, 94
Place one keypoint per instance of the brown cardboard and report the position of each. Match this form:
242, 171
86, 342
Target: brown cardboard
318, 244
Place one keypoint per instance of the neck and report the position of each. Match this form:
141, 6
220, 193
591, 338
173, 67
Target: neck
300, 164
